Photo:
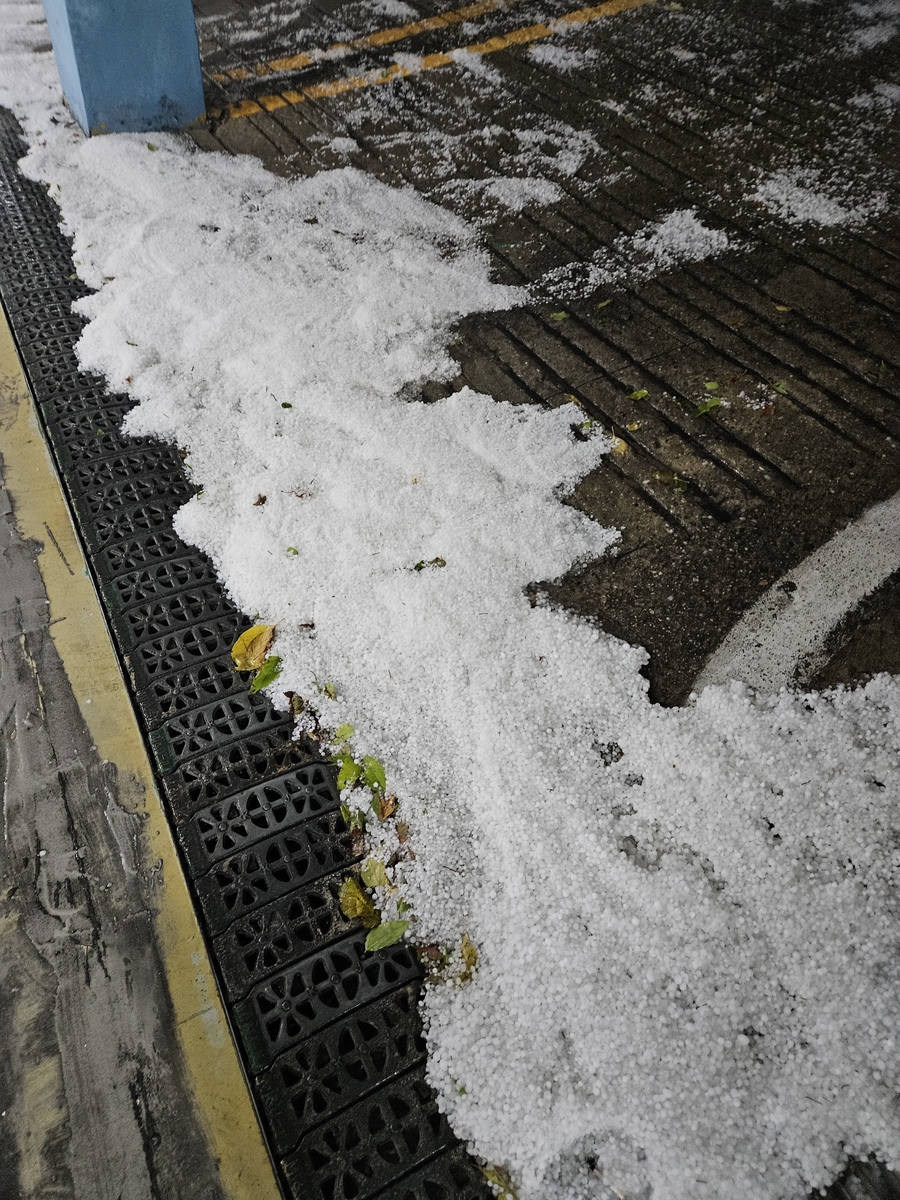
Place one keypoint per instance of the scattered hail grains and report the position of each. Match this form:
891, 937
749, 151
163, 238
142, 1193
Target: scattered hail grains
882, 96
880, 23
800, 196
478, 64
679, 237
343, 145
762, 397
509, 192
686, 919
560, 58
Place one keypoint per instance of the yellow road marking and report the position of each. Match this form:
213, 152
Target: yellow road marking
349, 83
81, 637
383, 37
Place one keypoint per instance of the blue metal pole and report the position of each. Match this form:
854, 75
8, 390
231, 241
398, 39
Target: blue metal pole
127, 65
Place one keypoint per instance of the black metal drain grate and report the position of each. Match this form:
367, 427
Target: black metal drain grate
330, 1034
356, 1155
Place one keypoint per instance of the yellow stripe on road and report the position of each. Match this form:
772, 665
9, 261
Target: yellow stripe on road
349, 83
383, 37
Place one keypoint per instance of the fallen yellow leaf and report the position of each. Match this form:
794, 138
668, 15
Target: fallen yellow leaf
355, 903
469, 957
618, 446
250, 650
782, 308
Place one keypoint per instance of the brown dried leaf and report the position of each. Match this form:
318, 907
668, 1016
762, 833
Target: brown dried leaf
387, 806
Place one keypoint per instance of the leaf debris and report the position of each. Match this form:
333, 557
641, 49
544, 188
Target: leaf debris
470, 959
708, 405
355, 903
267, 673
388, 933
374, 873
249, 652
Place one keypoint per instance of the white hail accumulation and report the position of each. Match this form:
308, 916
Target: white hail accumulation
686, 919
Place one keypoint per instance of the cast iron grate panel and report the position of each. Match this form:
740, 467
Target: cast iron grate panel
103, 507
357, 1154
156, 664
104, 530
210, 777
246, 881
57, 407
450, 1176
224, 758
280, 934
56, 375
161, 615
80, 436
218, 724
241, 821
57, 346
210, 679
138, 588
139, 551
293, 1004
346, 1063
125, 471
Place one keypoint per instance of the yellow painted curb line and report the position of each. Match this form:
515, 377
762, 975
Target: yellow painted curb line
81, 637
349, 83
383, 37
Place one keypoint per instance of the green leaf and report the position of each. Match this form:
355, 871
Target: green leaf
354, 818
640, 394
781, 387
386, 934
373, 873
373, 774
604, 303
403, 906
284, 404
292, 550
267, 673
711, 385
706, 406
429, 562
150, 146
343, 732
350, 771
562, 315
330, 692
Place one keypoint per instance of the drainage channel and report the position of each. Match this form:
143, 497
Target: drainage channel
330, 1035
